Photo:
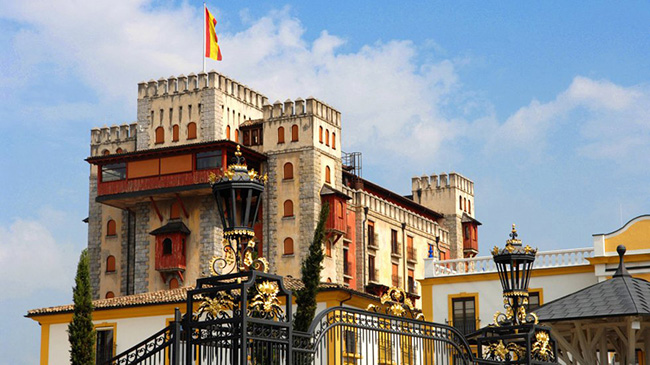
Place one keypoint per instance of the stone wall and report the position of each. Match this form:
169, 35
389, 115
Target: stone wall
144, 124
211, 124
94, 234
211, 233
142, 247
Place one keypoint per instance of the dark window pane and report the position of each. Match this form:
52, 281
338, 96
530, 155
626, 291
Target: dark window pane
208, 160
104, 351
533, 301
114, 172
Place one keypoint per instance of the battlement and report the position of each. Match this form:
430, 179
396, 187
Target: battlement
301, 107
443, 181
112, 134
175, 85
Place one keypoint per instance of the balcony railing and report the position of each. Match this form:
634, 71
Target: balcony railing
485, 264
395, 249
397, 281
411, 254
373, 275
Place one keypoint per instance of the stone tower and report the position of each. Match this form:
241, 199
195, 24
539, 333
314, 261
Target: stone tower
452, 195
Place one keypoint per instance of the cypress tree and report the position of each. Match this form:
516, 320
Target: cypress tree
81, 332
311, 269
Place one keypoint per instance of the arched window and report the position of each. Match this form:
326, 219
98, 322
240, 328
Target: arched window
469, 206
119, 150
175, 211
320, 134
464, 204
460, 202
288, 171
237, 135
288, 208
328, 178
280, 134
173, 283
175, 132
333, 140
160, 135
227, 132
294, 133
109, 295
327, 137
328, 248
111, 228
467, 232
167, 246
339, 209
191, 130
288, 246
110, 263
106, 152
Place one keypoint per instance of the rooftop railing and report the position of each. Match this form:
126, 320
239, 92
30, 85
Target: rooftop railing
485, 264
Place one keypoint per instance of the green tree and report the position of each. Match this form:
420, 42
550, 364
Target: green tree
81, 332
311, 269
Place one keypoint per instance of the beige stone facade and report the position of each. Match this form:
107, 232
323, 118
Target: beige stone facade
298, 144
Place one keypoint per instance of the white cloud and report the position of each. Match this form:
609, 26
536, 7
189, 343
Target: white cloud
31, 259
613, 122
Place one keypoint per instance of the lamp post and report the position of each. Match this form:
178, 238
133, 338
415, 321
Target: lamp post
238, 194
515, 337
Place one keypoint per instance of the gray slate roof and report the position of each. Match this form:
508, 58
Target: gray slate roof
622, 295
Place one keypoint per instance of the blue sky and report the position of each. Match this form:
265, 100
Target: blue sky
544, 106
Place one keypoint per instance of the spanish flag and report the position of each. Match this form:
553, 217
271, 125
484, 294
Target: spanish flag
212, 49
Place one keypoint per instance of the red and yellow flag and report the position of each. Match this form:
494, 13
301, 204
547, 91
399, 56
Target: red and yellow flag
212, 49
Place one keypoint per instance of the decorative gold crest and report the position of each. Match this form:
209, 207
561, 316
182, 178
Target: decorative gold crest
216, 307
396, 303
266, 302
541, 349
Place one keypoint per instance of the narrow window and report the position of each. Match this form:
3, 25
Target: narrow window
464, 313
104, 346
320, 134
171, 113
411, 281
288, 246
106, 152
328, 178
464, 204
460, 202
371, 233
152, 117
247, 137
534, 300
111, 228
395, 275
189, 112
180, 114
394, 245
294, 133
328, 248
469, 206
161, 115
110, 263
327, 137
175, 133
160, 135
288, 208
373, 275
288, 171
109, 295
466, 232
173, 283
237, 135
333, 140
119, 150
191, 130
280, 134
339, 210
228, 132
167, 246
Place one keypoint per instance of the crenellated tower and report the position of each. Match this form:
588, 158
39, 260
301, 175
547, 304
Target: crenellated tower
452, 195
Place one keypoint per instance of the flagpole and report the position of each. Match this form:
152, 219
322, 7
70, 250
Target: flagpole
204, 30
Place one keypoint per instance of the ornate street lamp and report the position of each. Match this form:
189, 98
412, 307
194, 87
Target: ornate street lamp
238, 193
514, 264
515, 337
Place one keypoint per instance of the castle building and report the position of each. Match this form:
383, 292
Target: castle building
153, 223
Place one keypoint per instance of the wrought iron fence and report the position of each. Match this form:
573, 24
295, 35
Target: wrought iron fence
245, 318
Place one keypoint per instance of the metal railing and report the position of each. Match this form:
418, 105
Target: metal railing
485, 264
411, 253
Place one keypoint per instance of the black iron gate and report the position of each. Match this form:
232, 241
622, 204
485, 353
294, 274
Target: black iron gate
245, 318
